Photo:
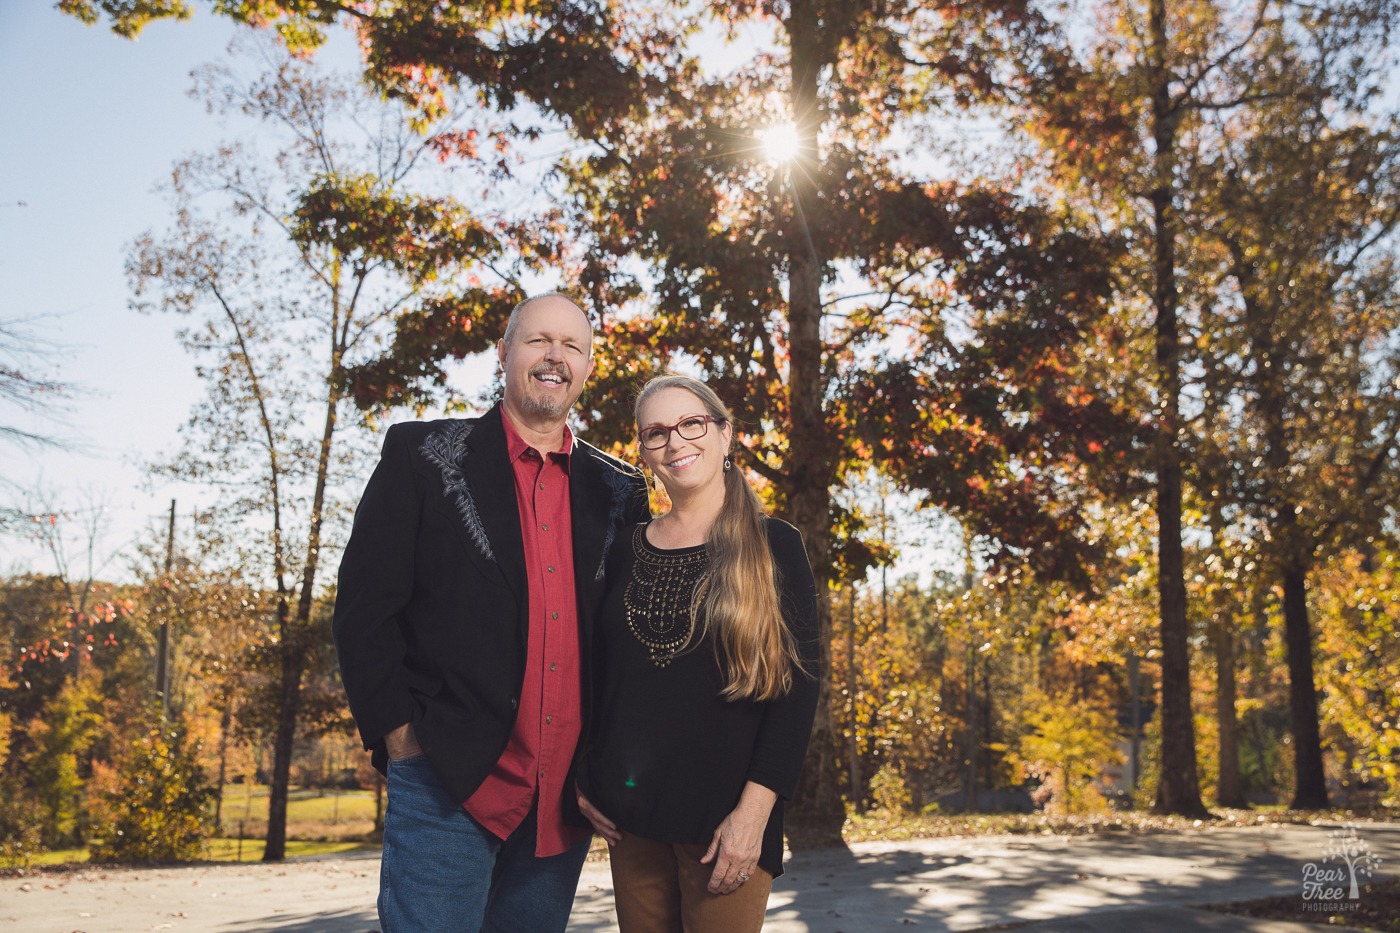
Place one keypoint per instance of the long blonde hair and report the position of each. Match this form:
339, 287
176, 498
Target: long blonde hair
737, 598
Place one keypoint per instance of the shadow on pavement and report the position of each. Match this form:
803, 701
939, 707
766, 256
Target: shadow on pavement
337, 921
960, 885
1104, 883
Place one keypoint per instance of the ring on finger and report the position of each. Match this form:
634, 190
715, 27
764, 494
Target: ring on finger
743, 876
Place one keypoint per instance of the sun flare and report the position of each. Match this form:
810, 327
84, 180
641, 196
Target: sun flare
780, 142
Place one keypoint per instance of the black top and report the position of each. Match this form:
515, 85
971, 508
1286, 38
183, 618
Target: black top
667, 756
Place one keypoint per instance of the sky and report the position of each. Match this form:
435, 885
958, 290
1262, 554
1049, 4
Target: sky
93, 124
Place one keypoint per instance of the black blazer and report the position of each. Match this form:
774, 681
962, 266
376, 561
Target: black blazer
430, 611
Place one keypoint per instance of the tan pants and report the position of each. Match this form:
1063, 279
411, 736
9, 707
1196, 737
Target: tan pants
659, 887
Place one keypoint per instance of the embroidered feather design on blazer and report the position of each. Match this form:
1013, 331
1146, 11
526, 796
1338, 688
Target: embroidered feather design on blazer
447, 449
621, 489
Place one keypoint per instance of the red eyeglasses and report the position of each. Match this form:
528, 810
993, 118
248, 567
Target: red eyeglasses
690, 428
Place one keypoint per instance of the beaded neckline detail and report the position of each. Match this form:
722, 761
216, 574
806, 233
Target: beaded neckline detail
657, 599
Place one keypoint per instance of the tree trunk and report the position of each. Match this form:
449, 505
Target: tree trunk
1179, 789
294, 647
1294, 559
1229, 788
988, 715
1294, 550
817, 812
293, 664
1135, 710
1311, 791
970, 759
852, 687
225, 720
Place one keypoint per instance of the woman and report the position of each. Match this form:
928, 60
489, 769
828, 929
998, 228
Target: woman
706, 657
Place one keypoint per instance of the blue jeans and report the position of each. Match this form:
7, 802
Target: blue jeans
442, 873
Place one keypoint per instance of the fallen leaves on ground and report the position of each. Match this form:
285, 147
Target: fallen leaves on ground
882, 826
1378, 908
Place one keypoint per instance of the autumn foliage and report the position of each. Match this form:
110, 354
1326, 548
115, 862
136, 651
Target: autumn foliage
1114, 297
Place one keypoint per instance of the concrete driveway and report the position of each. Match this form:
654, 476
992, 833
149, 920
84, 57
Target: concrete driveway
1133, 883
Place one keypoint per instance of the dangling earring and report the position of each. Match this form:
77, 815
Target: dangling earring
728, 464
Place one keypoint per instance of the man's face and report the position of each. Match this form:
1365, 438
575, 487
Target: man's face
547, 362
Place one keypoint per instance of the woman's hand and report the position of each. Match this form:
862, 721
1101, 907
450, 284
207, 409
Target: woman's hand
601, 824
738, 840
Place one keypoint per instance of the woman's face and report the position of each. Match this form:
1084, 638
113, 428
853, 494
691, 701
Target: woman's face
683, 465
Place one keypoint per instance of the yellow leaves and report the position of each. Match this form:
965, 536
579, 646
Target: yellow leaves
1069, 743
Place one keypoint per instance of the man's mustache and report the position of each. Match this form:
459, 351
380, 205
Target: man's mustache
558, 369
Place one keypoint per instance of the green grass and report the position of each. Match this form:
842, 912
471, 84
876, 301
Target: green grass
318, 823
249, 803
251, 850
61, 857
227, 850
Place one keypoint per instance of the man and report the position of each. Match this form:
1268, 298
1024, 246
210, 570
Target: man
464, 610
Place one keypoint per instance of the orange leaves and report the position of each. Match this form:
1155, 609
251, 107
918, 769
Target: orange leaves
454, 145
79, 630
1077, 396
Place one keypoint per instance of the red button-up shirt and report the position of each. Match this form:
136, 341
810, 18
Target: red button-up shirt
547, 723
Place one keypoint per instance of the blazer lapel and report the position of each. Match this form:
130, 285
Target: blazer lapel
591, 499
604, 499
489, 474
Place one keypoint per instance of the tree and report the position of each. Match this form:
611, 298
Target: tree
61, 736
20, 830
155, 806
1067, 746
1118, 122
128, 17
75, 538
839, 277
1357, 599
222, 637
887, 675
22, 351
312, 254
808, 272
1227, 586
1300, 192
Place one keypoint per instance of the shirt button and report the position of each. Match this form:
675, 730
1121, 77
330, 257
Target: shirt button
549, 719
544, 528
550, 569
554, 615
553, 666
541, 485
